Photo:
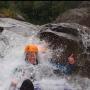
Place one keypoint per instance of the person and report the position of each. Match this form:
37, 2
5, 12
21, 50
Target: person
13, 85
66, 68
70, 64
71, 59
26, 85
31, 53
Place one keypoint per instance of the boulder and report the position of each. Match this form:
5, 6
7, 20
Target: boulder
78, 15
20, 27
65, 39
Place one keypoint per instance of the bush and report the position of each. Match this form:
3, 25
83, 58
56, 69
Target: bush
8, 12
37, 12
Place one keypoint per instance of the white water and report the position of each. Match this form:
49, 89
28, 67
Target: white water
43, 73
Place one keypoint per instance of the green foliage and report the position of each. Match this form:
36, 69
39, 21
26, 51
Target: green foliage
37, 12
4, 4
8, 12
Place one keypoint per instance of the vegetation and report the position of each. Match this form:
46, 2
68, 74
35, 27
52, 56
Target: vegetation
36, 12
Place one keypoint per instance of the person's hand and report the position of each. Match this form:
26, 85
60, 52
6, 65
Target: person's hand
14, 82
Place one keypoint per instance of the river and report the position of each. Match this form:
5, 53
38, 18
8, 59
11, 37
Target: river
13, 65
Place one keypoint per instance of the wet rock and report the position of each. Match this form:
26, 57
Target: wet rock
20, 27
3, 45
67, 38
67, 32
85, 70
61, 36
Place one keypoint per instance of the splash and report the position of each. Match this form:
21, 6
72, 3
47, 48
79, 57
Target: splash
13, 65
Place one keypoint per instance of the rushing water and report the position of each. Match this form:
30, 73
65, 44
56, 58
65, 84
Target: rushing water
13, 66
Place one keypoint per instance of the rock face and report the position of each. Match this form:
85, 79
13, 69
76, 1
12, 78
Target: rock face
69, 31
67, 38
78, 15
58, 35
23, 28
10, 29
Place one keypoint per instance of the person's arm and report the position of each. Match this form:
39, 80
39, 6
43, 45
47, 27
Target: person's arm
13, 85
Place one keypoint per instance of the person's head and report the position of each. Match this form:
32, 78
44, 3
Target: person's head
27, 85
71, 59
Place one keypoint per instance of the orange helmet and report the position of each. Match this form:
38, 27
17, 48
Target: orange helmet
31, 48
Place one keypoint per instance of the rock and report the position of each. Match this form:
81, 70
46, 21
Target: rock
67, 38
11, 33
19, 17
60, 36
85, 70
84, 4
20, 27
78, 15
3, 45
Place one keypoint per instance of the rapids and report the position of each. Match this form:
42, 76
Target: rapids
13, 65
